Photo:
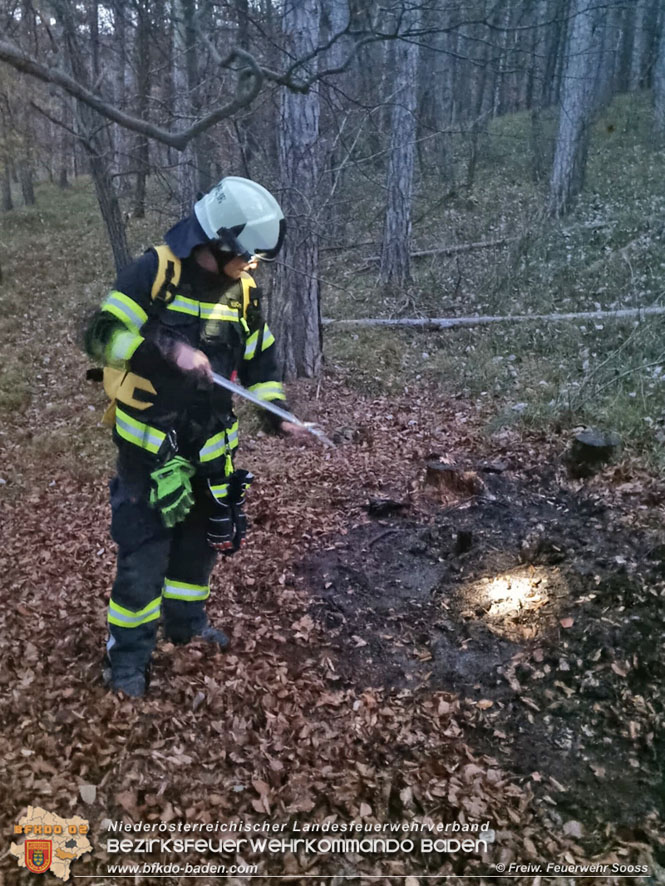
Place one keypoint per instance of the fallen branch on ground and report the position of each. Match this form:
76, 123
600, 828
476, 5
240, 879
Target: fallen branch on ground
450, 322
455, 248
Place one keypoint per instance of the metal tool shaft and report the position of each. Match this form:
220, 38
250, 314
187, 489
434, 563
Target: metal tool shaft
269, 406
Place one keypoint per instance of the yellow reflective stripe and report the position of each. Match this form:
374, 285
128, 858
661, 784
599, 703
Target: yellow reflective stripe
213, 447
122, 346
250, 346
182, 590
128, 618
125, 309
219, 490
223, 442
269, 390
218, 312
253, 340
232, 436
184, 306
138, 433
205, 310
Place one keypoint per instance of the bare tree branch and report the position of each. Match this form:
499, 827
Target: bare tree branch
249, 85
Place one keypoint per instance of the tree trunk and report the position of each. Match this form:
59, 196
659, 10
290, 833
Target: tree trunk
576, 107
64, 142
122, 137
296, 312
244, 126
395, 263
556, 55
443, 72
7, 202
659, 86
332, 153
110, 210
25, 178
141, 152
93, 27
608, 67
502, 99
94, 139
639, 52
183, 12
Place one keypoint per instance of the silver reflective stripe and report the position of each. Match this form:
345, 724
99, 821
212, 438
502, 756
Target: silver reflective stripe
232, 437
219, 491
184, 306
127, 618
182, 590
250, 346
213, 447
218, 312
125, 309
136, 432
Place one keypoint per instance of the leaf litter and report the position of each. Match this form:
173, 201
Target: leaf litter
486, 654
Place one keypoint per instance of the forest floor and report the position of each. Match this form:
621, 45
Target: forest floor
488, 655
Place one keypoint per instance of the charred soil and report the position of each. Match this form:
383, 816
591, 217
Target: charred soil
540, 606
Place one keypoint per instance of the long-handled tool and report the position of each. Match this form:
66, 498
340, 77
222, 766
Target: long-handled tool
271, 407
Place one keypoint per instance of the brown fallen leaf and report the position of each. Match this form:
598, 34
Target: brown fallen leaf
573, 829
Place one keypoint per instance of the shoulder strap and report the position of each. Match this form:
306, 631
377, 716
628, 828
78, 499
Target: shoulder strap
247, 285
168, 275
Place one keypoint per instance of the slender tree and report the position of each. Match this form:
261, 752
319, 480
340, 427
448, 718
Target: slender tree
659, 85
6, 184
576, 108
296, 314
94, 139
141, 151
183, 85
395, 262
640, 44
334, 112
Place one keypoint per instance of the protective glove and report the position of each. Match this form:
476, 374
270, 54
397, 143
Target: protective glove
171, 493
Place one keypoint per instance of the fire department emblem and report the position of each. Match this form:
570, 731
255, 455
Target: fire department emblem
38, 855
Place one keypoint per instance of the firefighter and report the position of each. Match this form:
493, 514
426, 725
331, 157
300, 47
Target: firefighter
177, 314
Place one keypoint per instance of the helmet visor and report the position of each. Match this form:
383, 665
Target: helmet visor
271, 254
228, 240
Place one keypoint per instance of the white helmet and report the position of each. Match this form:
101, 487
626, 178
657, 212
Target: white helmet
241, 217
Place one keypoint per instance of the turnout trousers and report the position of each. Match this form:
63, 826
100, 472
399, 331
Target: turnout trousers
160, 571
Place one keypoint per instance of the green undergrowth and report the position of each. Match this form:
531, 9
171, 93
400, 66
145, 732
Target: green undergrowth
608, 253
610, 374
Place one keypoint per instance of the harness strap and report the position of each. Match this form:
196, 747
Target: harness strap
165, 284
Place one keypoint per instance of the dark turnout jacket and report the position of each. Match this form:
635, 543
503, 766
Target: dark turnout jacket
161, 410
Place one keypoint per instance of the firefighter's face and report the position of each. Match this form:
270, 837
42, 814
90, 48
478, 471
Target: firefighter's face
237, 265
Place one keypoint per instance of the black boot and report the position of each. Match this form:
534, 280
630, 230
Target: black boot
132, 682
207, 632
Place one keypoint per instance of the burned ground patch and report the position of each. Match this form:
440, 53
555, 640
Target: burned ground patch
542, 608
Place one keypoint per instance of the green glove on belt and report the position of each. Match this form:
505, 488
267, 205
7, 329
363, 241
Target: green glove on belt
172, 493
